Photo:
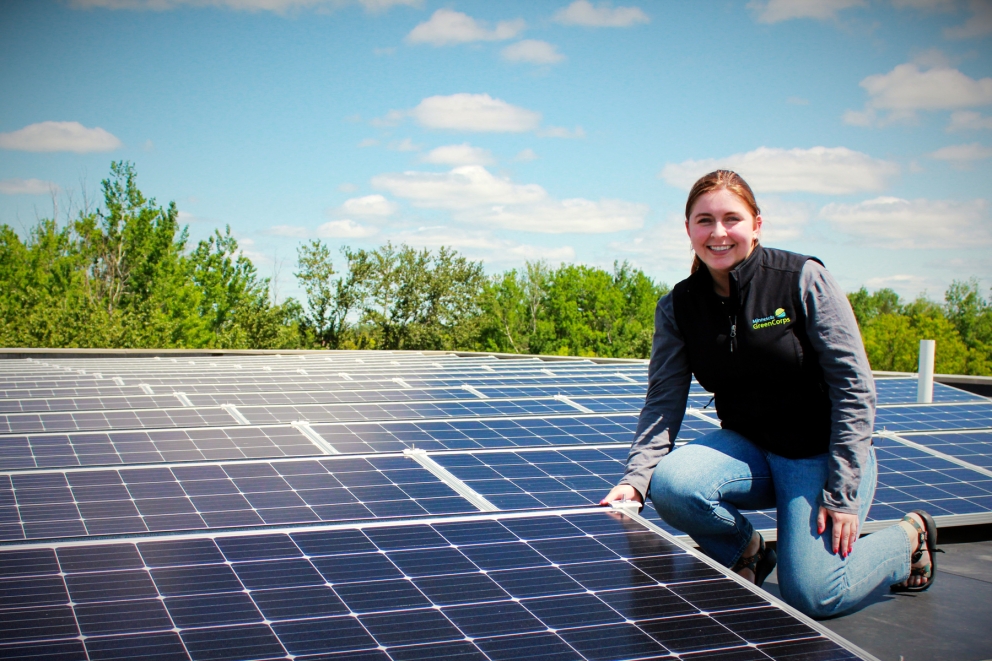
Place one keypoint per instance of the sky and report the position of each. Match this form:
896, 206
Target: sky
516, 131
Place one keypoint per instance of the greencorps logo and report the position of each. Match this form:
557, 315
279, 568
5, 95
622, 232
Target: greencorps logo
776, 319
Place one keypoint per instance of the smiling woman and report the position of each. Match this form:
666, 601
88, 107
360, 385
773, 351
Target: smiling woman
772, 336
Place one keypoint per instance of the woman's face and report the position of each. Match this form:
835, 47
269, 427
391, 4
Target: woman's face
722, 230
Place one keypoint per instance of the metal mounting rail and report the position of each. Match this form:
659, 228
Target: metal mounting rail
315, 438
236, 414
464, 490
477, 393
572, 403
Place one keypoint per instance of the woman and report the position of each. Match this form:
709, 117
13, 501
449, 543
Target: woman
772, 335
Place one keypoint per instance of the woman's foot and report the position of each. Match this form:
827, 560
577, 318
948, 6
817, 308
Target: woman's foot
747, 571
756, 562
922, 533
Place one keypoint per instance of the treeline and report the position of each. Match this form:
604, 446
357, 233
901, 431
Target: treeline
126, 276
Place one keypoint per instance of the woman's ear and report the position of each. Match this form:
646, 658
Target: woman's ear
687, 227
757, 226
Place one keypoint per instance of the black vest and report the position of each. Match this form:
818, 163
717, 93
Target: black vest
752, 351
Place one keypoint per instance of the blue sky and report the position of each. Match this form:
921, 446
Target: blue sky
515, 131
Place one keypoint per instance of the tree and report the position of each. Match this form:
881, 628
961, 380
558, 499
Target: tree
329, 300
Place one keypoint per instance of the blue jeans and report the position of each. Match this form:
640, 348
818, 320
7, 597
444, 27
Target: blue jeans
700, 488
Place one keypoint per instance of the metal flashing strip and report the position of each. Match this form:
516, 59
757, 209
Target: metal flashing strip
314, 437
905, 405
936, 453
463, 490
118, 380
183, 399
477, 393
401, 382
808, 621
573, 404
236, 414
696, 413
345, 376
626, 378
145, 388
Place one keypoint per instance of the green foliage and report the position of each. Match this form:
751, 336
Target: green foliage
573, 310
961, 327
122, 277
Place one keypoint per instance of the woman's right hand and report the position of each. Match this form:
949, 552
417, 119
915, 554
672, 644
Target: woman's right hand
622, 492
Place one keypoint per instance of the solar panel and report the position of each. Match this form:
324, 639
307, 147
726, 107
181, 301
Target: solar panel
904, 391
925, 417
141, 447
568, 585
191, 497
974, 447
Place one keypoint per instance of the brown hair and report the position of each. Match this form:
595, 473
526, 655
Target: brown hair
716, 180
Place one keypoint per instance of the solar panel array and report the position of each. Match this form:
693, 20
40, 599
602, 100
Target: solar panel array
376, 505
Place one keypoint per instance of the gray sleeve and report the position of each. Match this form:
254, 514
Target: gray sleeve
834, 334
664, 406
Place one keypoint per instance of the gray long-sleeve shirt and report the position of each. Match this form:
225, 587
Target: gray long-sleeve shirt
833, 333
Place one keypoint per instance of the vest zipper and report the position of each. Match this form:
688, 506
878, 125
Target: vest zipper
733, 332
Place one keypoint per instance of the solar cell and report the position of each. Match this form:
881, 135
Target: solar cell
188, 497
26, 423
432, 591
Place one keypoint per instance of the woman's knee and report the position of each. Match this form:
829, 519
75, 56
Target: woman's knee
814, 596
675, 492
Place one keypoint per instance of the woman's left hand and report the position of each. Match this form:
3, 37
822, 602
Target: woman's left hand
844, 528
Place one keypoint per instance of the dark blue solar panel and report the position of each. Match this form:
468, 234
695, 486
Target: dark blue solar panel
151, 446
587, 586
478, 434
975, 447
140, 500
904, 391
926, 417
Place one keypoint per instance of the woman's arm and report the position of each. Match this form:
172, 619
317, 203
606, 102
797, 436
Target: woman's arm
664, 406
833, 332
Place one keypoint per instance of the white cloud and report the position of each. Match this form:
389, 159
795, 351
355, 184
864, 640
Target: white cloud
369, 206
446, 27
925, 5
27, 187
368, 142
406, 144
561, 132
392, 118
775, 11
978, 25
603, 15
345, 229
964, 120
347, 187
478, 197
891, 222
526, 155
481, 244
464, 187
825, 170
59, 136
463, 154
963, 154
474, 112
783, 220
661, 246
797, 101
569, 216
907, 89
276, 6
532, 51
292, 231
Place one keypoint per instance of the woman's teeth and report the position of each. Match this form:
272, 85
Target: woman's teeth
720, 248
